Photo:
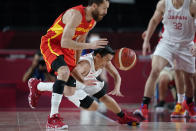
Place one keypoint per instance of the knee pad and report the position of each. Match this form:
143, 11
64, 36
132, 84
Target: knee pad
100, 94
86, 102
58, 86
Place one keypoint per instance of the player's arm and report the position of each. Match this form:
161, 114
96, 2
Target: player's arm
72, 19
83, 67
193, 8
116, 76
193, 13
31, 69
80, 71
154, 21
81, 39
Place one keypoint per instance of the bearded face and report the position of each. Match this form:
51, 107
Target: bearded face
100, 11
97, 16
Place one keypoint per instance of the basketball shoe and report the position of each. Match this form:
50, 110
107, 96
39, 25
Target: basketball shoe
126, 119
55, 122
179, 111
190, 108
142, 111
34, 93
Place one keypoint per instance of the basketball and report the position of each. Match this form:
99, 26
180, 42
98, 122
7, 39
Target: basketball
125, 59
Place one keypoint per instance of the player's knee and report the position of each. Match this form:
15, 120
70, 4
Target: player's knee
164, 79
69, 91
155, 72
94, 106
63, 73
104, 98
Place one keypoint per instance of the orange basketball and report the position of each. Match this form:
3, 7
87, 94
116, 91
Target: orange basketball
125, 59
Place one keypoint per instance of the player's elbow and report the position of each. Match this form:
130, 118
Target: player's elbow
154, 21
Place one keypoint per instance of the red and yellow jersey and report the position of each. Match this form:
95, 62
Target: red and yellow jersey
51, 42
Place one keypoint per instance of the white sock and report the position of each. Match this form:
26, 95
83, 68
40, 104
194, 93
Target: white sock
181, 97
45, 86
55, 102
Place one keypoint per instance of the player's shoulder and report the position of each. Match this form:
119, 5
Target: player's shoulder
161, 3
73, 13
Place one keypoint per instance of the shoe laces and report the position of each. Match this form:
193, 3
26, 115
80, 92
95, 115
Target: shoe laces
57, 118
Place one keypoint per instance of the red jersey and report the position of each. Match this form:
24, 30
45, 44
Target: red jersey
51, 42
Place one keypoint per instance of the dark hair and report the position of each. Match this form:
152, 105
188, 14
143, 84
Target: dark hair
104, 51
90, 2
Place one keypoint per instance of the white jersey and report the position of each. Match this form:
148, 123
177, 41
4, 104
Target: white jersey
93, 74
178, 23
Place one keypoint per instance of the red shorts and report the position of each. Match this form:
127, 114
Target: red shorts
51, 49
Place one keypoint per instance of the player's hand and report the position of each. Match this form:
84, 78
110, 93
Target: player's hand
193, 50
90, 82
115, 92
146, 48
101, 43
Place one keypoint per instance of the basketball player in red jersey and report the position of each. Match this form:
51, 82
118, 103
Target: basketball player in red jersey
178, 19
61, 48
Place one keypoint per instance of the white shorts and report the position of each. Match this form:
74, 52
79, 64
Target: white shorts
83, 91
179, 52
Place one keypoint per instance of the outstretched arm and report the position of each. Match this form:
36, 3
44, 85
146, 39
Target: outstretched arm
31, 69
117, 79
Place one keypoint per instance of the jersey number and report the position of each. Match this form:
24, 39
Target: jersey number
177, 26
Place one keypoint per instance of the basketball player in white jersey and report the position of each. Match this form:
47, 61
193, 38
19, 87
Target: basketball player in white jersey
90, 67
178, 19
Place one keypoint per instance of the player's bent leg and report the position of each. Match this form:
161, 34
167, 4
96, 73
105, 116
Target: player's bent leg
123, 117
54, 119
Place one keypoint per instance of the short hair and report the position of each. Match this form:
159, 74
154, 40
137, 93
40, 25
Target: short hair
90, 2
104, 51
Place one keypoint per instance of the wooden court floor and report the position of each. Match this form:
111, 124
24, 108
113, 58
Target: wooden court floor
78, 120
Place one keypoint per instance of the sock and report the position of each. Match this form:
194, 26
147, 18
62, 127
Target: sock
181, 98
189, 100
146, 100
120, 114
55, 102
45, 86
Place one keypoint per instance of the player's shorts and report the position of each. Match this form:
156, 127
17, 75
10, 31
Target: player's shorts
51, 51
178, 51
83, 92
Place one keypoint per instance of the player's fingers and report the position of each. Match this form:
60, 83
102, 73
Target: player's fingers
102, 43
100, 46
104, 39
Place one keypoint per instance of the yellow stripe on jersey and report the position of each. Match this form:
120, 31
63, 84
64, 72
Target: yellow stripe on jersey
58, 29
82, 29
